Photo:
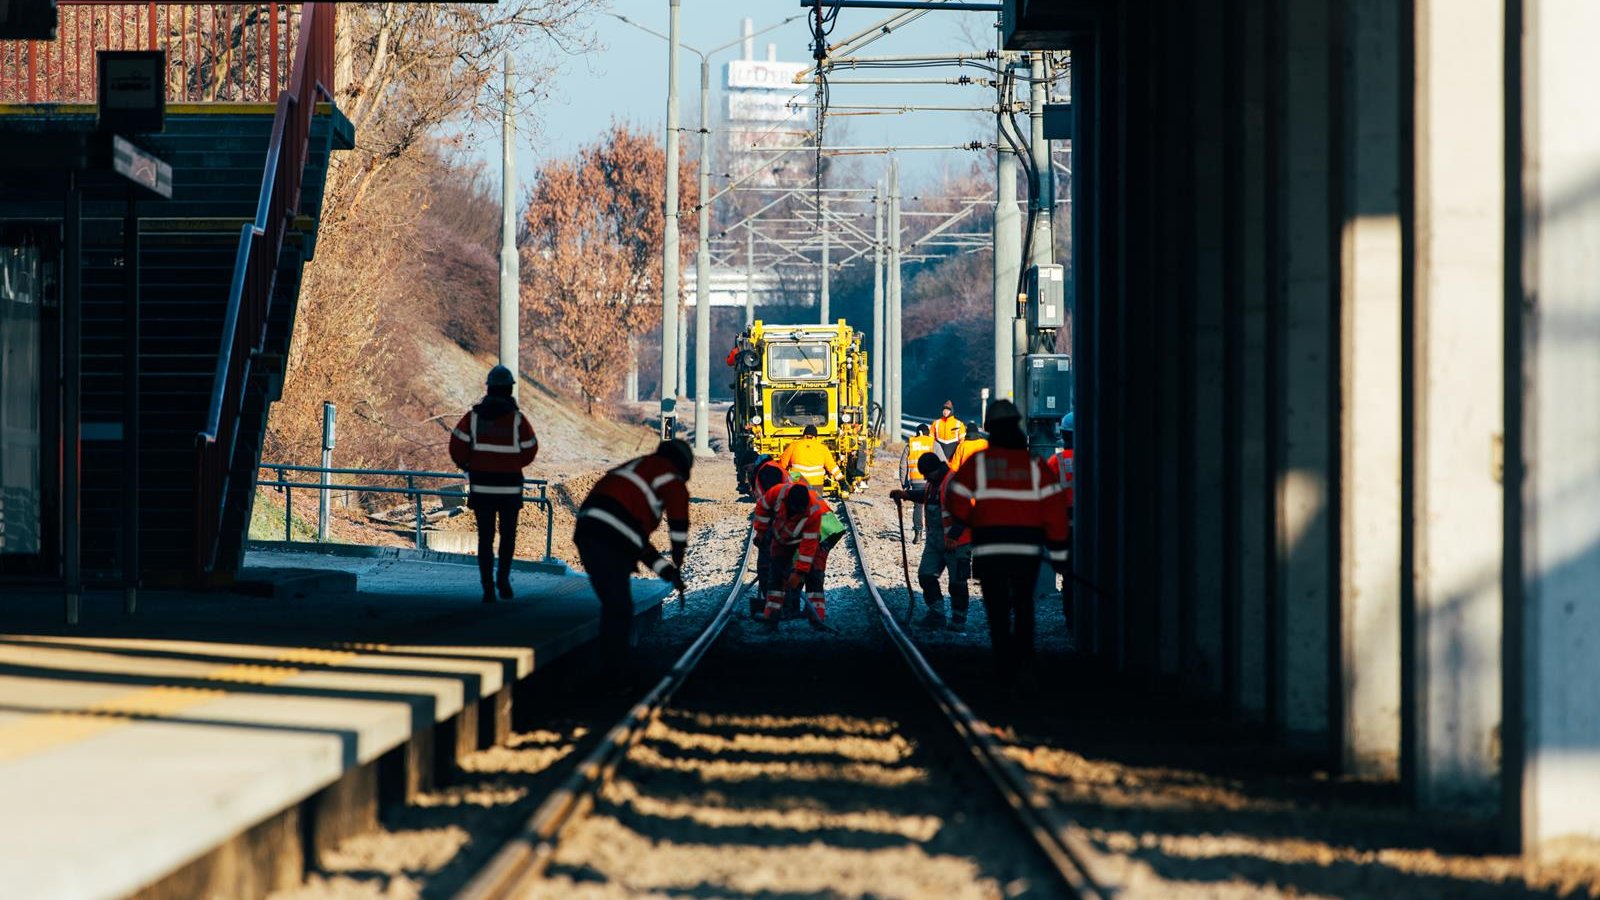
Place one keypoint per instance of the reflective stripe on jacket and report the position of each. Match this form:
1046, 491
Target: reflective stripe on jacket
494, 451
948, 429
916, 445
1060, 466
633, 497
811, 459
1011, 504
804, 530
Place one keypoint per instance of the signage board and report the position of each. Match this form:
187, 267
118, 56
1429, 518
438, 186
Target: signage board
132, 90
759, 106
140, 167
761, 73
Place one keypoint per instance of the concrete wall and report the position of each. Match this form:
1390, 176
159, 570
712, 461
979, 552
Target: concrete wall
1307, 479
1453, 663
1371, 246
1559, 308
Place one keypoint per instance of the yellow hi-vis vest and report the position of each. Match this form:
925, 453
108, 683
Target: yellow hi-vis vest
916, 445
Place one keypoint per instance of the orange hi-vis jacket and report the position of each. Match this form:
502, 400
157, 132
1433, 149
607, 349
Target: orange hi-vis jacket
494, 442
1012, 505
632, 498
804, 529
948, 429
767, 506
811, 459
1060, 466
968, 448
916, 445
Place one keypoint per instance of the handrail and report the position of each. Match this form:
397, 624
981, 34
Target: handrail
254, 271
541, 496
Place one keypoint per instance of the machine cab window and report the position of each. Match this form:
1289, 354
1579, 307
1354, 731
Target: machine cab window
800, 361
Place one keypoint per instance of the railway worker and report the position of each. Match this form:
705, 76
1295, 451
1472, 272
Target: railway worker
1060, 466
811, 459
769, 481
494, 442
948, 431
1016, 514
911, 474
972, 441
613, 535
800, 543
949, 546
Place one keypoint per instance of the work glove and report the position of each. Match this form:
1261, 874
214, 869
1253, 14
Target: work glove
950, 543
897, 495
795, 582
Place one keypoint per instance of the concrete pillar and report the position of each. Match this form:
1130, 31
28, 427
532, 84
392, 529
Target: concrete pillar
1454, 510
1371, 247
1247, 499
1203, 631
1307, 479
1556, 323
1007, 252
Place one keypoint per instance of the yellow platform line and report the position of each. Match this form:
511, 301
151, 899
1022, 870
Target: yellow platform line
44, 731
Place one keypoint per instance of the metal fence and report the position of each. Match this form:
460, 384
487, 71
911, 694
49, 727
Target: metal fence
534, 491
216, 52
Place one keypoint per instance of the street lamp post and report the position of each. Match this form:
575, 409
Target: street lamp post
670, 352
669, 242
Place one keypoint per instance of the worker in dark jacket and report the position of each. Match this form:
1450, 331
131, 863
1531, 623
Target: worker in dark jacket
613, 536
949, 546
494, 442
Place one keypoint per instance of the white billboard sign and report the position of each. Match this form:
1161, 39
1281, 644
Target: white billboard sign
759, 106
761, 73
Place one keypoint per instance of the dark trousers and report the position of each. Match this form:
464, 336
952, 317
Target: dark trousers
610, 560
763, 573
488, 508
1008, 583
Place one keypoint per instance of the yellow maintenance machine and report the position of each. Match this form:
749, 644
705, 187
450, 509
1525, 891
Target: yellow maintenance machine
790, 376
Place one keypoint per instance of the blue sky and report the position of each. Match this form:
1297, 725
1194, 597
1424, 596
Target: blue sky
625, 77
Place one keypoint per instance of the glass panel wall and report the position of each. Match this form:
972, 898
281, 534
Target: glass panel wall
21, 289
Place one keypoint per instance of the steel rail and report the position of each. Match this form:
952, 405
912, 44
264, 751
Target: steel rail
527, 854
1061, 840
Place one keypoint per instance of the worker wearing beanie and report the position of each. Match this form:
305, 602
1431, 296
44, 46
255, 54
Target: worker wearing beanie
613, 535
494, 442
1015, 513
947, 431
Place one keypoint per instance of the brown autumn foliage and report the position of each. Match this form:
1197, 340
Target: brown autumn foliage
591, 256
405, 238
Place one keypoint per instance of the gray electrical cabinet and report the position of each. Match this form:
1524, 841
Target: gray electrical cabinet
1047, 296
1044, 385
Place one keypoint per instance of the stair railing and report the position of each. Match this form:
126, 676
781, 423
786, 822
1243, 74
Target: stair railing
254, 272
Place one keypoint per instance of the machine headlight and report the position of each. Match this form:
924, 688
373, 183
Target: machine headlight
755, 420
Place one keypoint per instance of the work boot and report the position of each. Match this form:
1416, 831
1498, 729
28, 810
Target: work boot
958, 622
488, 592
933, 618
505, 588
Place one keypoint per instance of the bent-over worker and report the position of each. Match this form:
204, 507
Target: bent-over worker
494, 442
799, 549
613, 535
810, 458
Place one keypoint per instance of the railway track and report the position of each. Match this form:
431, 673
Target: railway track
793, 756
